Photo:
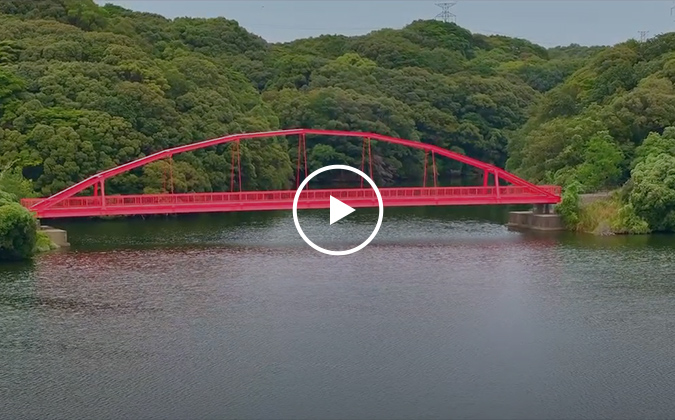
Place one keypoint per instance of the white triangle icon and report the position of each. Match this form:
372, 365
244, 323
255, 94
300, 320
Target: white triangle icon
338, 210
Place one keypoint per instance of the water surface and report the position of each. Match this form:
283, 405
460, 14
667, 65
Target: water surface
446, 314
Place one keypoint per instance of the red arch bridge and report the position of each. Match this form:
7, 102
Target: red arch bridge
494, 189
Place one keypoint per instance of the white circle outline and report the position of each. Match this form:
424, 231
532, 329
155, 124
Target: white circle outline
295, 210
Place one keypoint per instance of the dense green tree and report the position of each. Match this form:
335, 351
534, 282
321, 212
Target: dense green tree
653, 191
13, 182
553, 148
655, 144
602, 163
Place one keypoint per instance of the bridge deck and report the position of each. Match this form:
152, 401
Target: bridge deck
129, 205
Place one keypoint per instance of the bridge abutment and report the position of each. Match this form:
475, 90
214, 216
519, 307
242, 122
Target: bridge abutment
541, 218
58, 236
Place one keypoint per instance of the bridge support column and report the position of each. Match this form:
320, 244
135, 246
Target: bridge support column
497, 190
542, 209
103, 193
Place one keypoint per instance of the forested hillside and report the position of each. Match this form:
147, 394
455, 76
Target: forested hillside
606, 109
84, 88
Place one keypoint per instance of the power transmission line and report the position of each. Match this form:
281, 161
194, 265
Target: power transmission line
446, 16
643, 35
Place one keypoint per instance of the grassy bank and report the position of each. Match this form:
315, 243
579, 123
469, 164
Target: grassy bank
601, 214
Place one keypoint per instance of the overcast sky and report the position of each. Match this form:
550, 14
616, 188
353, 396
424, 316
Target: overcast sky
548, 23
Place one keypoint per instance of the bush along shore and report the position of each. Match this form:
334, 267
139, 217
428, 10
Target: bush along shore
20, 235
604, 214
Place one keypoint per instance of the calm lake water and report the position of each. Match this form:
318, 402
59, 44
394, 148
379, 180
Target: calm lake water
446, 314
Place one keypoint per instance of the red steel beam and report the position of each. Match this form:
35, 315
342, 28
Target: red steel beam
499, 173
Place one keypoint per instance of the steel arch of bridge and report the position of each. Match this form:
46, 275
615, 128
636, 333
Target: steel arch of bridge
521, 191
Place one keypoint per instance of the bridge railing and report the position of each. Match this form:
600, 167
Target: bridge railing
288, 195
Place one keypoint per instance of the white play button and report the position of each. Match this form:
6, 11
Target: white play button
338, 210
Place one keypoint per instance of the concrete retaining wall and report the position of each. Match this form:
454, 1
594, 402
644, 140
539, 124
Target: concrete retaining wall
585, 199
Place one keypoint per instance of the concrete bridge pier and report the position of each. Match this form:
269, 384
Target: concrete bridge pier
543, 209
542, 218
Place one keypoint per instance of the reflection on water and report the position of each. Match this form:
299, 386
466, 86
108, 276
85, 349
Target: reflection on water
446, 314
